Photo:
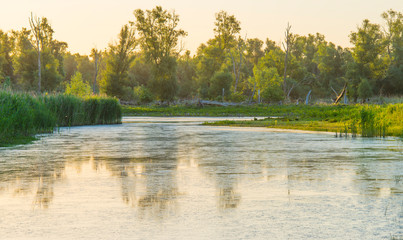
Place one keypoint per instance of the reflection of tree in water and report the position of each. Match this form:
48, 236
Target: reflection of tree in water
377, 177
221, 160
228, 198
142, 186
44, 193
34, 175
148, 181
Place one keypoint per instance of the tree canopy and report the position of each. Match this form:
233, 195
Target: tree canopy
148, 62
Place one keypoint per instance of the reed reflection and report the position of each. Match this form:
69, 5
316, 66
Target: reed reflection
35, 175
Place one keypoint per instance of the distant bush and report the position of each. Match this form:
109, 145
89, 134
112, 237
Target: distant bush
143, 95
78, 87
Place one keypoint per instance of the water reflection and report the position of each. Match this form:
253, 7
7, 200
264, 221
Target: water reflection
159, 170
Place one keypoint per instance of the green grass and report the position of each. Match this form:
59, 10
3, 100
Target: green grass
23, 115
217, 111
73, 111
367, 120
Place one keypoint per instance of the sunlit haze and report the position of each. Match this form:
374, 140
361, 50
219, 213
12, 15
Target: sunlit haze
85, 24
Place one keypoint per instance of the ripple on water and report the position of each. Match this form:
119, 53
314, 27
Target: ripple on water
170, 178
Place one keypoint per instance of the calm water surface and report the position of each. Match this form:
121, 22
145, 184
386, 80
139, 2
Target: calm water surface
170, 178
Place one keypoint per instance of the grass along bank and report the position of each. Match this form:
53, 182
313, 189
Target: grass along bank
366, 120
256, 110
23, 115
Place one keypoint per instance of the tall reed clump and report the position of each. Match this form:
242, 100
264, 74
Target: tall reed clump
381, 121
74, 111
21, 116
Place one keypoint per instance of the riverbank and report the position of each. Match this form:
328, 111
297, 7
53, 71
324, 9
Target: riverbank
23, 115
367, 120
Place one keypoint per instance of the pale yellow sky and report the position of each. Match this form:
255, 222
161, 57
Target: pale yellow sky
85, 24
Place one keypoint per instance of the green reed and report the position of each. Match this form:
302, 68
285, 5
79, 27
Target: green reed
23, 115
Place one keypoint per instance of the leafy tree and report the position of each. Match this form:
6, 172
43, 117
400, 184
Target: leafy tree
223, 53
25, 61
70, 66
78, 87
270, 45
142, 94
254, 50
85, 67
369, 54
56, 48
330, 66
120, 56
165, 84
186, 74
208, 62
140, 71
393, 83
364, 89
254, 53
287, 45
267, 81
51, 77
226, 28
36, 29
237, 60
6, 58
220, 81
159, 38
97, 58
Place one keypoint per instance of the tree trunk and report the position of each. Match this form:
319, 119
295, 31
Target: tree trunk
235, 74
287, 47
307, 97
341, 94
253, 93
96, 74
35, 24
39, 67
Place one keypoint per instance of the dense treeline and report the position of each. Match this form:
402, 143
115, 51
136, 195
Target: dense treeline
23, 115
147, 62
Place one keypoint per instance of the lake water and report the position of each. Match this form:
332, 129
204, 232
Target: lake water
171, 178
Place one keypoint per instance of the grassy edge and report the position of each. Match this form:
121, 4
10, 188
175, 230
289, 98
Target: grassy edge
367, 120
18, 140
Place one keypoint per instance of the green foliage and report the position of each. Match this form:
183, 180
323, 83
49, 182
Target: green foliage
209, 59
364, 89
226, 27
370, 56
369, 120
74, 111
120, 57
268, 81
312, 62
78, 87
140, 72
23, 115
237, 97
142, 95
220, 81
158, 32
159, 38
7, 43
186, 72
164, 83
